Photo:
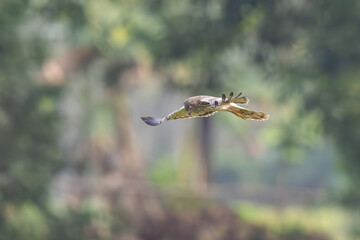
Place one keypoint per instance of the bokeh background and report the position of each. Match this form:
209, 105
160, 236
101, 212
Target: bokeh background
77, 162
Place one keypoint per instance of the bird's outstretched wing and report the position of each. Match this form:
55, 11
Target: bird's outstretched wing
179, 114
245, 113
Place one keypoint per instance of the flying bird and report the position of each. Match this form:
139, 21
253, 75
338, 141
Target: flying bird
205, 106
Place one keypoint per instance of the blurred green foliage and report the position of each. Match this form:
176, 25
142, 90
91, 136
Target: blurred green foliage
163, 172
28, 129
26, 221
285, 222
321, 65
305, 53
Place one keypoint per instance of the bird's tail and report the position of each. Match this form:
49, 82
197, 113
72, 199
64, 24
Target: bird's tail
153, 121
247, 114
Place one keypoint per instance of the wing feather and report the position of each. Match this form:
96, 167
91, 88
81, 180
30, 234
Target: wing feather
183, 114
179, 114
152, 121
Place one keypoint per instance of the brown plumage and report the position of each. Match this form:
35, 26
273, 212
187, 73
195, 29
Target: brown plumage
205, 106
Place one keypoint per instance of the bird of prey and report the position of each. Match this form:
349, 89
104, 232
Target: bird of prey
205, 106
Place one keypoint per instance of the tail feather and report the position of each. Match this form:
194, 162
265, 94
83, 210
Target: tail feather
152, 121
247, 114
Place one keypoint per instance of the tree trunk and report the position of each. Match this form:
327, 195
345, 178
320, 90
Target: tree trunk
205, 152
